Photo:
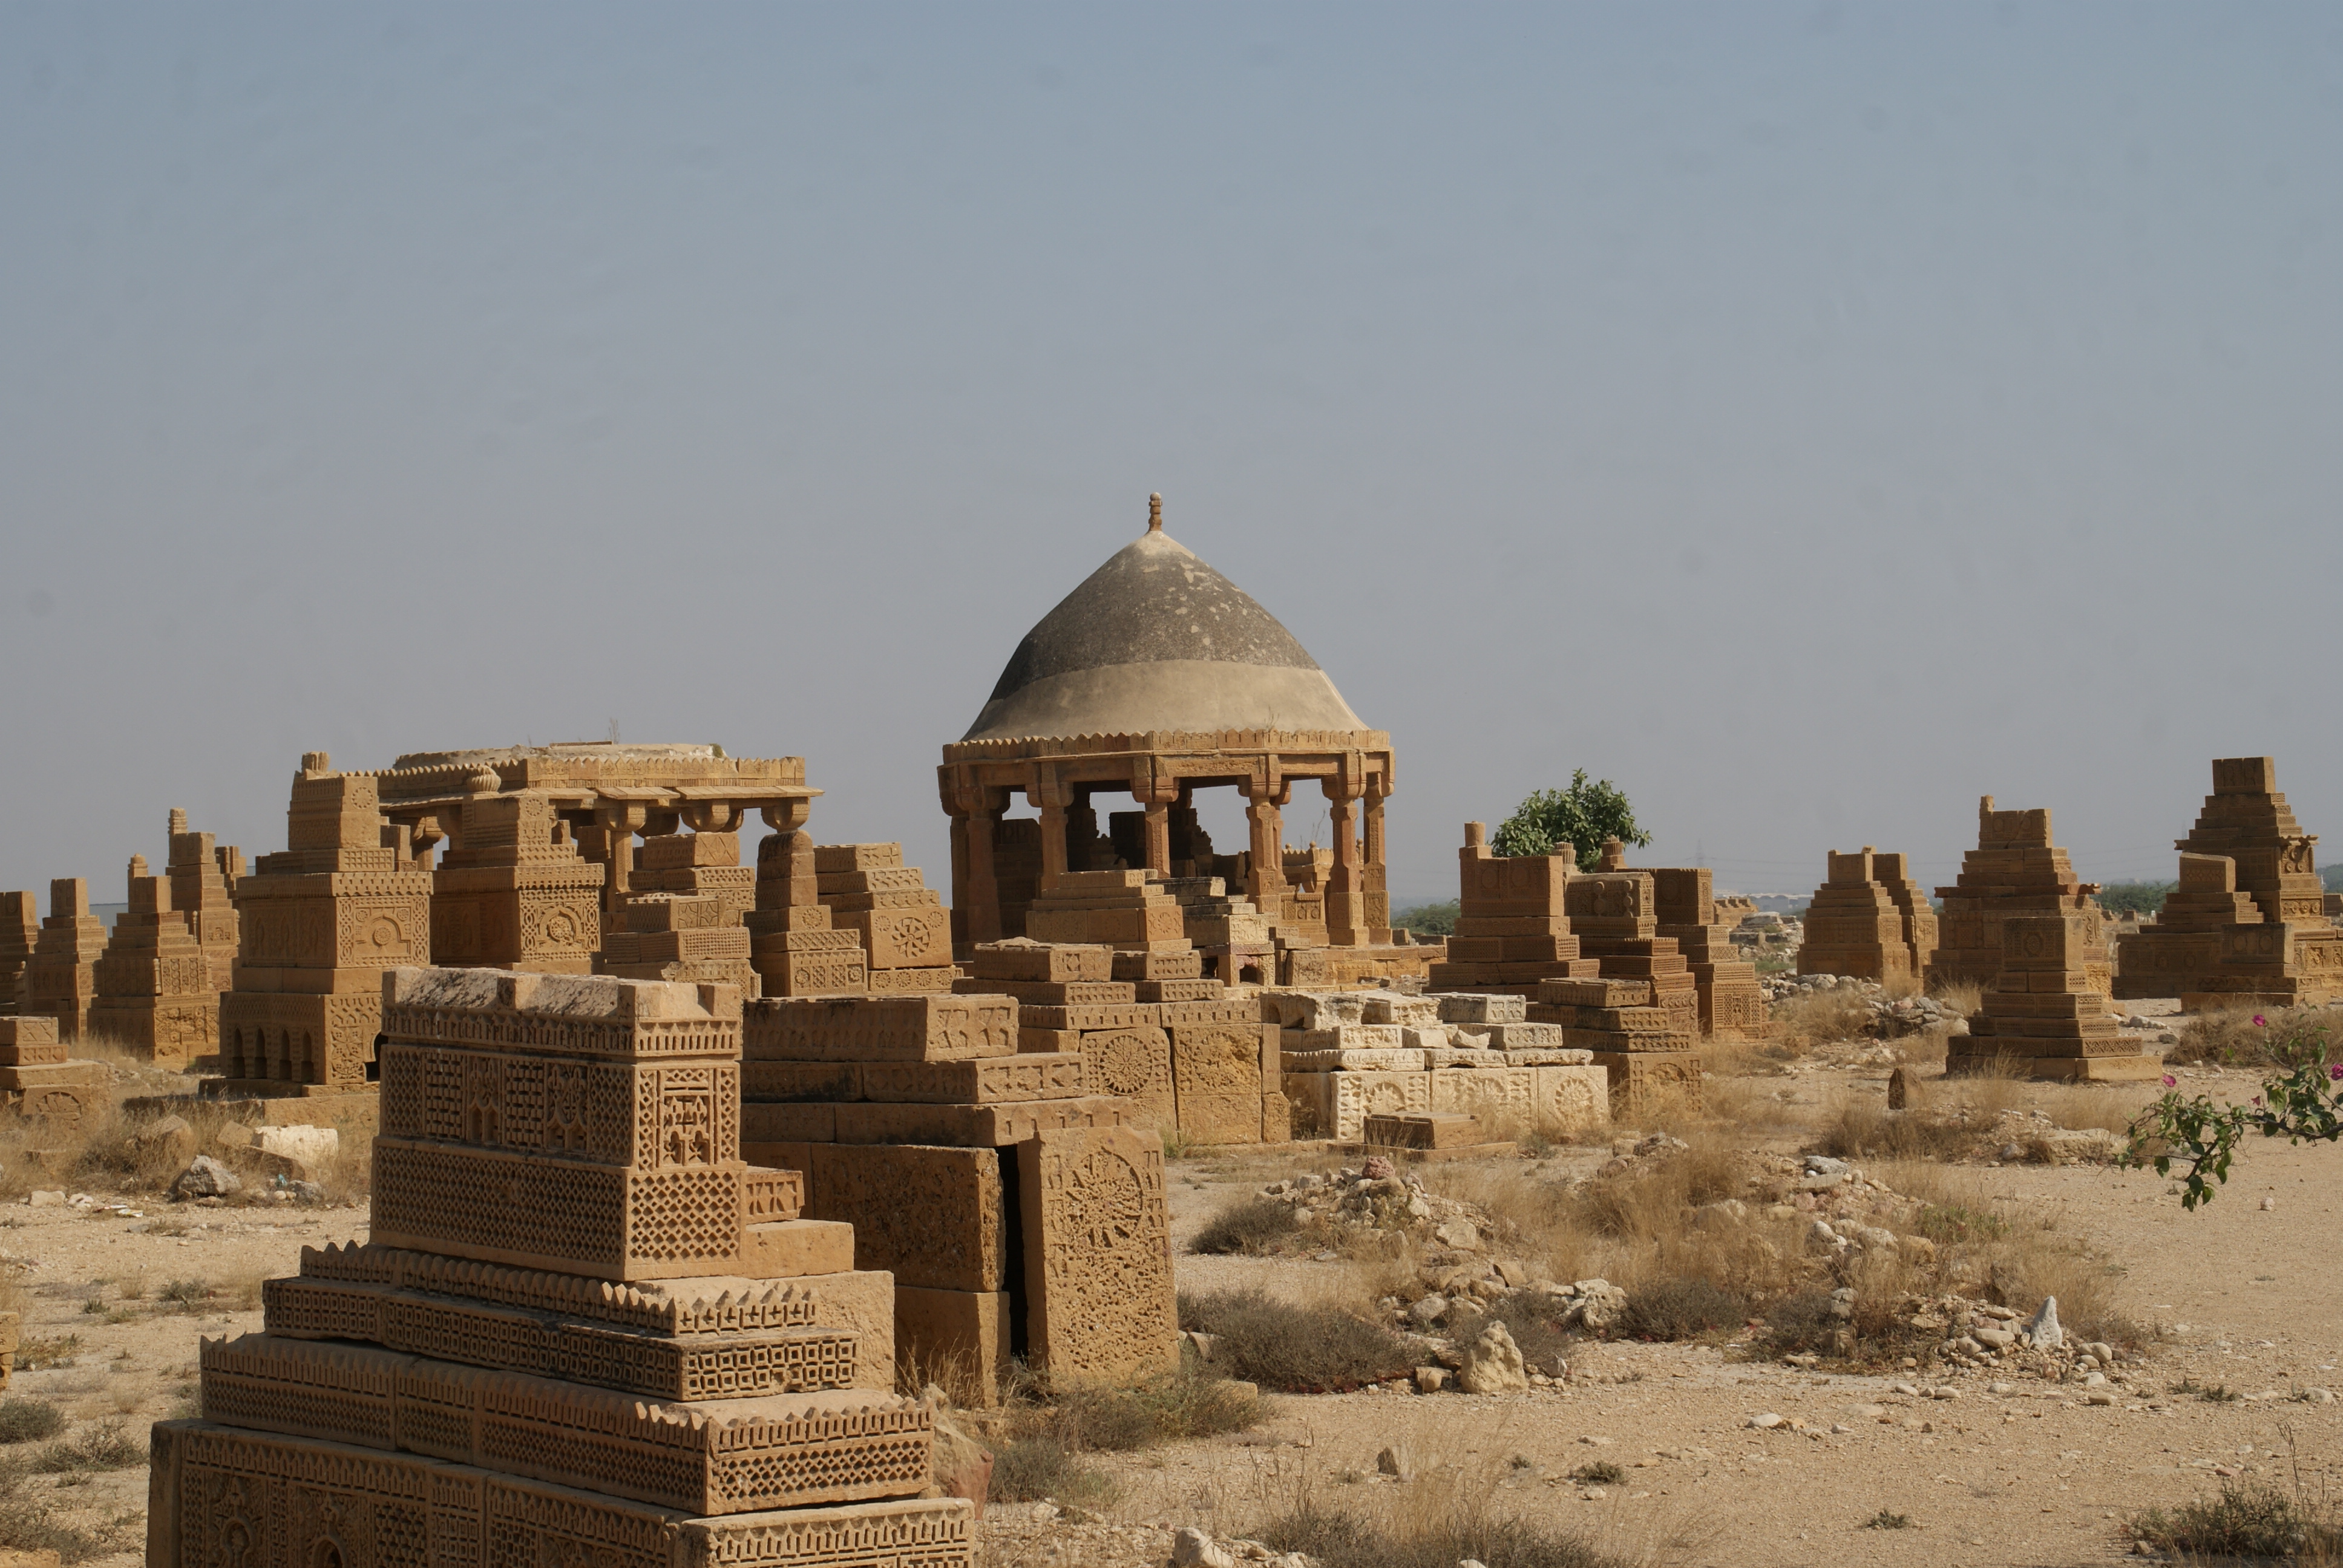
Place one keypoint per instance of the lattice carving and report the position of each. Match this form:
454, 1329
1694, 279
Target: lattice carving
731, 1457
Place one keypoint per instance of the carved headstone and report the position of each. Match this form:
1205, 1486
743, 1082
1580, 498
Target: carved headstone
584, 1329
1097, 1252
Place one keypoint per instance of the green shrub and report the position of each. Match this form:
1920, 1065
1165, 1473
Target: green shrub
1251, 1225
1192, 1403
1293, 1349
2255, 1520
1602, 1473
1032, 1468
1535, 1320
27, 1524
1681, 1310
1882, 1519
100, 1448
185, 1295
29, 1421
1801, 1324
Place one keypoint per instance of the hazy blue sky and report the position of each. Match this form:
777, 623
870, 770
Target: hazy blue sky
1811, 417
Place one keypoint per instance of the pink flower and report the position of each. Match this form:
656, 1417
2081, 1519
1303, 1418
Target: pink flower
2335, 1070
2172, 1082
2258, 1100
2260, 1022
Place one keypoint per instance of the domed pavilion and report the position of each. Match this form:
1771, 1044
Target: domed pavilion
1159, 677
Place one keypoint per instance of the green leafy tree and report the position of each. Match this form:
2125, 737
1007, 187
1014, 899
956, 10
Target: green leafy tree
1430, 920
2134, 898
1582, 815
2302, 1101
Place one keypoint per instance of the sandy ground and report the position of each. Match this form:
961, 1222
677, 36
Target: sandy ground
2248, 1298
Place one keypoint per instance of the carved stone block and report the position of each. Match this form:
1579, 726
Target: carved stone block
219, 1495
931, 1216
1217, 1081
958, 1338
1099, 1293
715, 1456
879, 1028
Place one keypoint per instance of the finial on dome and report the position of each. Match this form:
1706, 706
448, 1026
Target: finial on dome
1155, 513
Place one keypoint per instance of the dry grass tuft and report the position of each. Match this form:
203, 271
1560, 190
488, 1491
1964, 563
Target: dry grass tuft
1859, 1128
1820, 1017
29, 1420
2251, 1520
1963, 996
28, 1523
1294, 1348
1249, 1225
1638, 1227
2228, 1037
1444, 1516
1047, 1432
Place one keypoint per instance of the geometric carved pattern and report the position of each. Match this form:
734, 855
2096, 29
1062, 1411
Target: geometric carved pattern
1098, 1247
226, 1499
659, 1365
737, 1306
610, 1113
776, 1452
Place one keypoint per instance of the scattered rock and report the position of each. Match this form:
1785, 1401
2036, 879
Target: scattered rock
1191, 1547
1899, 1090
1766, 1422
39, 1199
1377, 1168
1494, 1365
1431, 1380
1429, 1311
1396, 1461
1601, 1305
1460, 1234
168, 1139
2042, 1330
959, 1465
205, 1176
309, 1147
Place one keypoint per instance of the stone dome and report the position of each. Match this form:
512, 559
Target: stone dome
1155, 640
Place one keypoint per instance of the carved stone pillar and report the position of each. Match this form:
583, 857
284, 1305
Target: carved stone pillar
982, 903
1048, 795
618, 821
1346, 902
1266, 884
1155, 794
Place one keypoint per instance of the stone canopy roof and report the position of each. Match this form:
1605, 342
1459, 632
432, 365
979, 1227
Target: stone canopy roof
1155, 640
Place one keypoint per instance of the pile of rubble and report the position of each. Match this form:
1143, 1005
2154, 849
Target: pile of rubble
1373, 1199
1779, 986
